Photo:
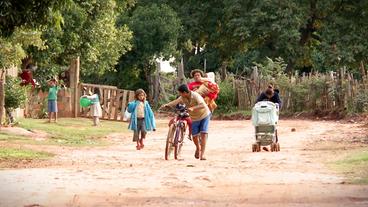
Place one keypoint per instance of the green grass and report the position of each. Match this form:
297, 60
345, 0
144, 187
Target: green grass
11, 137
69, 131
232, 113
21, 154
355, 166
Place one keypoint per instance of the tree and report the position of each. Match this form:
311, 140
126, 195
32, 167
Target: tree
19, 22
307, 34
28, 13
156, 29
89, 30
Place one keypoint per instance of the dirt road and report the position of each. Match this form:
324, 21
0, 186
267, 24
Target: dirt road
231, 176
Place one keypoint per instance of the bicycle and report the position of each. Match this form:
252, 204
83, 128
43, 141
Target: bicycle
177, 132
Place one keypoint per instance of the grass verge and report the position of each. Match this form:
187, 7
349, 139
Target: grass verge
10, 154
354, 165
68, 132
232, 115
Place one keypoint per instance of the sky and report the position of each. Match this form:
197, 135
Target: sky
166, 67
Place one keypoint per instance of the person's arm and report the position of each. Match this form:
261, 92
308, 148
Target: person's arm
152, 116
194, 85
90, 97
199, 106
172, 103
206, 80
261, 97
200, 102
277, 99
131, 106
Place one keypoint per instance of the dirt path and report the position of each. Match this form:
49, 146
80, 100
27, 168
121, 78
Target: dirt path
232, 176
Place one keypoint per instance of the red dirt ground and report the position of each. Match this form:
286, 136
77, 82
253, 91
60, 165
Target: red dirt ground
232, 175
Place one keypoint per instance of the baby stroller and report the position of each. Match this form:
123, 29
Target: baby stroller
265, 115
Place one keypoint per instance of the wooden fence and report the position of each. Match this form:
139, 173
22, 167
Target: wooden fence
303, 92
113, 101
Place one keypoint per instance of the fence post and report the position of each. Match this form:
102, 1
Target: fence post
74, 85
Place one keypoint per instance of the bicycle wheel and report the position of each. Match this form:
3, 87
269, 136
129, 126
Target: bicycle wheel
169, 142
178, 143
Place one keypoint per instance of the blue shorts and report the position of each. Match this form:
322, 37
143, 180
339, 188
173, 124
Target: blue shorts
201, 126
52, 106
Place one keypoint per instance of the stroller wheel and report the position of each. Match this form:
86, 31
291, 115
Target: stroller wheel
254, 147
273, 147
258, 147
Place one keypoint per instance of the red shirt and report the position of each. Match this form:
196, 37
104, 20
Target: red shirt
212, 86
194, 85
27, 78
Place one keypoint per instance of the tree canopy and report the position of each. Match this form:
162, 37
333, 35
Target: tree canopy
119, 40
89, 30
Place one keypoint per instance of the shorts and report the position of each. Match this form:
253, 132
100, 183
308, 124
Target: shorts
52, 106
141, 129
201, 126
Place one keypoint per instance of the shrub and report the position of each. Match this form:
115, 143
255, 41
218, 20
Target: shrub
361, 101
226, 99
15, 95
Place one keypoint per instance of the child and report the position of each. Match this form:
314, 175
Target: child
96, 110
52, 99
142, 118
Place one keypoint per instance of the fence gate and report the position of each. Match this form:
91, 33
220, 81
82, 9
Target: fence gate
113, 101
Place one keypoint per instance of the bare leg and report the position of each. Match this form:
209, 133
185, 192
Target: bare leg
143, 136
138, 145
95, 121
50, 114
203, 145
198, 148
55, 116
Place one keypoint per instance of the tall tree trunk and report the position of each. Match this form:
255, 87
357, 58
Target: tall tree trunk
2, 95
157, 84
181, 75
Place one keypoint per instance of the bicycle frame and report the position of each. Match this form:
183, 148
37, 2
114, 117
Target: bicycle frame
180, 124
176, 134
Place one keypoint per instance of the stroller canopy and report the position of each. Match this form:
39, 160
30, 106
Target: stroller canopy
265, 113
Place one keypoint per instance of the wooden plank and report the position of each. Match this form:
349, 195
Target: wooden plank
117, 103
123, 103
111, 103
104, 108
98, 86
131, 96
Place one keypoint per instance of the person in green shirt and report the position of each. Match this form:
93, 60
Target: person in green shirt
52, 99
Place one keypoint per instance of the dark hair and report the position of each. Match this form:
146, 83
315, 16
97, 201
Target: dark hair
30, 66
139, 91
269, 92
193, 72
97, 91
183, 88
